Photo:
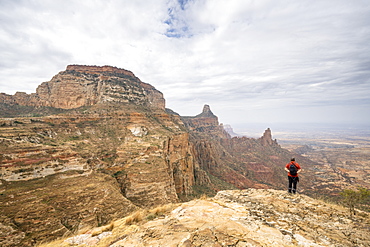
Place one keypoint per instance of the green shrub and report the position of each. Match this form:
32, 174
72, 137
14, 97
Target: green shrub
354, 198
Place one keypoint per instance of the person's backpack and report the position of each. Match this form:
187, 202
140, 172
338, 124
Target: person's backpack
293, 169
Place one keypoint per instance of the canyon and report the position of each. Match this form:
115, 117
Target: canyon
95, 144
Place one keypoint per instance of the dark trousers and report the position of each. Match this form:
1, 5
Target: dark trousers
292, 187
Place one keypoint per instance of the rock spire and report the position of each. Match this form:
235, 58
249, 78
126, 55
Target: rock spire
266, 139
206, 112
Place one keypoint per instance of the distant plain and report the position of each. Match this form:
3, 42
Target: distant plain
343, 151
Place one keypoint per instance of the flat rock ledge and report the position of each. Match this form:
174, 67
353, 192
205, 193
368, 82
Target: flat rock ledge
252, 217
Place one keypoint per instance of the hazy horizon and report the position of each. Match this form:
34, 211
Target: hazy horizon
282, 130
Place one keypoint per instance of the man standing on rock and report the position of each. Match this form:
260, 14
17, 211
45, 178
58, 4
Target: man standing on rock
293, 168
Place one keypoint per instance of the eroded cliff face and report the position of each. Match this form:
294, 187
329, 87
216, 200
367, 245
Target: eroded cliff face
113, 126
81, 85
58, 205
146, 157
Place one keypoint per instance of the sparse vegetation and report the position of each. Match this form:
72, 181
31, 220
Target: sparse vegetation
148, 215
160, 211
119, 173
135, 217
355, 198
102, 229
119, 227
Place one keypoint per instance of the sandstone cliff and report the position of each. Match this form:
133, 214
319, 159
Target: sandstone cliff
81, 85
117, 128
145, 155
236, 218
42, 209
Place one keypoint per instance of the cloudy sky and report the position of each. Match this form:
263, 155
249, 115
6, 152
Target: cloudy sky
261, 61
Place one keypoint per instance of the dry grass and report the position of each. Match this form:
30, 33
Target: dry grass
162, 209
135, 217
203, 197
221, 203
121, 227
159, 211
58, 242
117, 234
99, 230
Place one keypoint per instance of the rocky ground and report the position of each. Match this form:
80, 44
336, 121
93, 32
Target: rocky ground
252, 217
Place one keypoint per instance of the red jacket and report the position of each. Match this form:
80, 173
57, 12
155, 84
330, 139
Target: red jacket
296, 164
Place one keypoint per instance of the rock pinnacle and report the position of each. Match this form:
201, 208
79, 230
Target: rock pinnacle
206, 112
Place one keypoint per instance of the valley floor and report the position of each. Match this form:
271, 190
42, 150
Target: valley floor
341, 152
344, 160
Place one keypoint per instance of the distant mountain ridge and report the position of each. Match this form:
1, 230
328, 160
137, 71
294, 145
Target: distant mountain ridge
230, 130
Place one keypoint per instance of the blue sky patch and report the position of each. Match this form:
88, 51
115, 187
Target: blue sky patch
177, 26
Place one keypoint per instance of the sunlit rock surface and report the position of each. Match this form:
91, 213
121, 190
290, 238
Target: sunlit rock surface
253, 217
81, 85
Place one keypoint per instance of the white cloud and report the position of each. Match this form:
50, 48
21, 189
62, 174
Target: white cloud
255, 58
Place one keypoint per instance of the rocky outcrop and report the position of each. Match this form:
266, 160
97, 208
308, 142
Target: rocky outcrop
205, 122
20, 98
81, 85
241, 218
266, 139
207, 113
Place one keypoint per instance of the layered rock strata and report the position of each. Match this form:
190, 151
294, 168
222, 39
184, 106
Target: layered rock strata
81, 85
58, 205
147, 158
206, 122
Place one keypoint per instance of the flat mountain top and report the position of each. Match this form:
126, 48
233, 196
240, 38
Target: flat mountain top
82, 85
252, 217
